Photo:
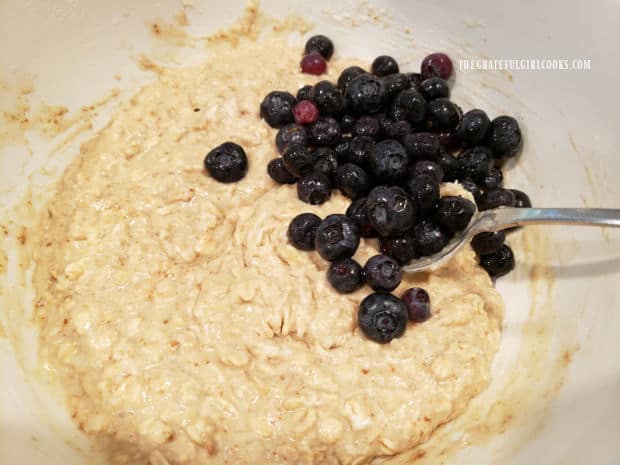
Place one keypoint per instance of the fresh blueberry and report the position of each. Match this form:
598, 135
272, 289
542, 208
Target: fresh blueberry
384, 65
382, 317
342, 148
395, 83
291, 134
504, 136
366, 94
473, 188
473, 127
396, 129
314, 189
277, 108
226, 162
454, 213
415, 80
428, 238
278, 172
449, 165
418, 304
498, 263
345, 275
357, 212
324, 132
305, 112
360, 149
304, 93
422, 145
493, 180
298, 160
352, 180
383, 273
424, 190
348, 75
313, 63
328, 98
302, 229
326, 163
401, 249
409, 105
436, 64
389, 162
367, 126
497, 198
320, 44
521, 199
444, 114
475, 163
347, 123
488, 242
430, 168
337, 237
434, 88
390, 210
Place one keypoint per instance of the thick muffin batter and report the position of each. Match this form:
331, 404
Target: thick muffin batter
186, 330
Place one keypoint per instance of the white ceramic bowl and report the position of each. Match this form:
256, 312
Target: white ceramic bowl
563, 309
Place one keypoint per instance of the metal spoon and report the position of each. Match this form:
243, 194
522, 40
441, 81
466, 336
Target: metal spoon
504, 218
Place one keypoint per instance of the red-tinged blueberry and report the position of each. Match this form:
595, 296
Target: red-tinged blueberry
429, 168
434, 88
473, 128
389, 162
497, 198
278, 172
384, 65
345, 275
401, 249
291, 134
305, 112
226, 163
437, 65
383, 273
328, 98
314, 189
390, 210
504, 137
325, 132
313, 63
382, 317
422, 145
418, 304
277, 108
302, 229
320, 44
454, 213
498, 263
298, 160
352, 180
429, 238
443, 114
487, 243
424, 190
522, 200
337, 237
348, 75
356, 211
367, 126
366, 94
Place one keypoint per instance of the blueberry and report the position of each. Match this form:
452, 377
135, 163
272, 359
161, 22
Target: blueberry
488, 242
352, 180
389, 162
409, 105
436, 64
347, 123
390, 210
298, 160
504, 136
345, 275
313, 63
397, 129
418, 304
454, 213
366, 94
444, 114
475, 163
337, 237
433, 88
320, 44
305, 112
384, 65
325, 132
348, 75
449, 141
326, 163
383, 273
473, 188
291, 134
449, 165
430, 168
521, 199
473, 127
328, 98
304, 93
342, 148
498, 263
401, 249
357, 212
360, 149
226, 162
278, 172
415, 80
367, 126
497, 198
302, 229
424, 190
314, 189
428, 238
422, 145
395, 83
277, 108
382, 317
493, 180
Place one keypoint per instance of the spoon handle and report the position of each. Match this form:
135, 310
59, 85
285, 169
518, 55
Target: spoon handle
502, 218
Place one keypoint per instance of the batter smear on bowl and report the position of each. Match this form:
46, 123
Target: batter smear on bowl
187, 329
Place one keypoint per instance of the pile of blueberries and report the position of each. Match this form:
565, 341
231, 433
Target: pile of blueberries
387, 140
